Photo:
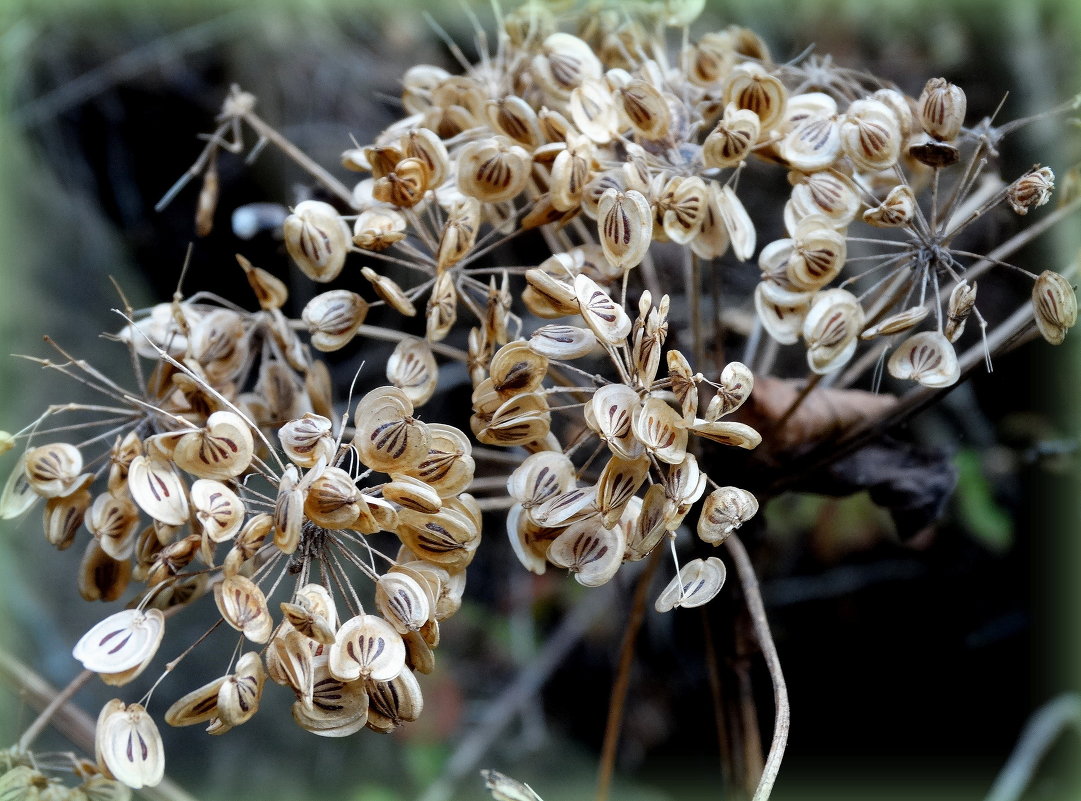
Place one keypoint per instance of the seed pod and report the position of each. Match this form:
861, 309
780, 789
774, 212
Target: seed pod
336, 708
119, 729
547, 296
412, 369
927, 358
725, 510
158, 490
333, 318
824, 192
517, 369
618, 482
124, 640
646, 109
896, 323
818, 255
625, 225
113, 521
604, 316
389, 291
53, 470
332, 499
392, 703
1031, 189
682, 205
513, 117
270, 291
781, 311
425, 146
661, 430
307, 439
730, 142
870, 135
102, 578
738, 434
198, 706
736, 384
698, 582
814, 140
378, 228
931, 152
570, 174
318, 240
941, 109
402, 602
457, 239
1054, 305
493, 170
831, 330
19, 494
611, 412
540, 477
563, 63
366, 647
962, 301
222, 450
737, 221
562, 342
243, 606
405, 185
593, 111
588, 550
63, 516
684, 485
749, 86
442, 309
238, 697
895, 211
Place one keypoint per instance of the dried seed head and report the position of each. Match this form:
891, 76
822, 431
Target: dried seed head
318, 240
897, 210
1031, 190
378, 227
730, 142
1055, 306
53, 470
129, 746
493, 170
941, 109
593, 553
698, 583
825, 192
307, 439
366, 647
871, 135
831, 330
749, 86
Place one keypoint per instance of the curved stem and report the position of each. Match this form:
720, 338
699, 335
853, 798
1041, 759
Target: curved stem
617, 704
757, 610
42, 720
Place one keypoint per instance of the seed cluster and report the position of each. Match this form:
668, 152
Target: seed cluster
228, 472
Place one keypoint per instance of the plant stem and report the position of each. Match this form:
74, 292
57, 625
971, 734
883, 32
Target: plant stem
1041, 731
757, 610
42, 720
617, 704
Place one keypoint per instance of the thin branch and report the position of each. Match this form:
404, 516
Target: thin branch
1040, 732
757, 611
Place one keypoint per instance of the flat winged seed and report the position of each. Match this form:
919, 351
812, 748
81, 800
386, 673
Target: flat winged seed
541, 476
114, 521
318, 239
102, 578
813, 143
222, 449
1031, 190
661, 430
726, 433
412, 369
129, 745
402, 602
18, 493
782, 313
941, 108
826, 192
412, 493
871, 135
366, 647
525, 542
504, 788
927, 358
593, 111
63, 516
442, 309
335, 708
818, 254
378, 228
650, 525
588, 550
447, 539
562, 342
307, 439
333, 500
603, 315
333, 318
243, 606
390, 292
741, 230
448, 468
725, 510
548, 296
390, 440
698, 583
896, 210
625, 225
394, 702
896, 323
736, 384
565, 507
831, 330
217, 508
516, 368
749, 86
238, 697
198, 706
53, 470
493, 170
962, 302
618, 482
288, 514
122, 641
1055, 306
730, 142
611, 412
158, 491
